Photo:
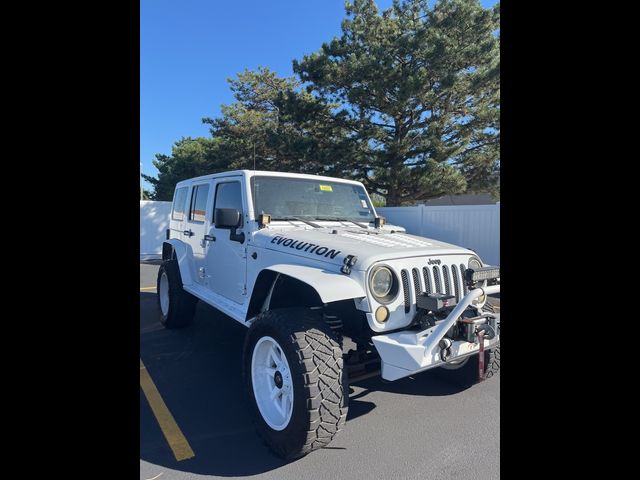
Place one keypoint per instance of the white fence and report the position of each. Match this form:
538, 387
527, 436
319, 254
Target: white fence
154, 220
471, 226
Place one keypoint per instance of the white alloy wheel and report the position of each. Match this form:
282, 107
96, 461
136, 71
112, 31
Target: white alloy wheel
164, 293
272, 383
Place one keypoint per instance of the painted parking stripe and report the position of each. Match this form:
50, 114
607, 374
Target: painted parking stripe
177, 441
142, 289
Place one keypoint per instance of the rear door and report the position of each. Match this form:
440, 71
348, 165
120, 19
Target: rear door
178, 212
195, 225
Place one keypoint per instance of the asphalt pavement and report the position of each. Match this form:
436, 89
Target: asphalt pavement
419, 427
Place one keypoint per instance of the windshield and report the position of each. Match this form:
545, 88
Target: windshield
289, 197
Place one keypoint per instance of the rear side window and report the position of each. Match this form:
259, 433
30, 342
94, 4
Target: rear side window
178, 204
228, 195
199, 203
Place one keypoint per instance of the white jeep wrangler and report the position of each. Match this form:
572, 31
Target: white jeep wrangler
329, 293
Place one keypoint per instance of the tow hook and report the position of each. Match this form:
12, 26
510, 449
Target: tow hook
482, 332
445, 349
488, 331
481, 355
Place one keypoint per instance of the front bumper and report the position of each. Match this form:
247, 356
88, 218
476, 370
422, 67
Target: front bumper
408, 352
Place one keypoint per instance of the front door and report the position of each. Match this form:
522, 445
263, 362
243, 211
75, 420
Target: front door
226, 261
195, 228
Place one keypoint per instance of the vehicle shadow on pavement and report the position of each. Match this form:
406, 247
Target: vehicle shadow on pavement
198, 372
425, 384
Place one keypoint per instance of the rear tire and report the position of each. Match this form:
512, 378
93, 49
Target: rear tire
177, 306
312, 378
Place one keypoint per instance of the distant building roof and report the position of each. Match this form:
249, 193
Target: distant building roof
463, 199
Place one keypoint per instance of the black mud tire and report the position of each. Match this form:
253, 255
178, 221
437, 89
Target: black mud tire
182, 304
467, 375
320, 383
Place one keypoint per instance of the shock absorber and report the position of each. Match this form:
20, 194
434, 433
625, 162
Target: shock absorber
334, 322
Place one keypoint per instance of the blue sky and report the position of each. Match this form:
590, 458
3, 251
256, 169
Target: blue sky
189, 48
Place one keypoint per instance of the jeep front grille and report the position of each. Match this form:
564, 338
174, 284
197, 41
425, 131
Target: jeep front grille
405, 290
447, 279
416, 281
447, 282
436, 279
456, 281
463, 269
427, 279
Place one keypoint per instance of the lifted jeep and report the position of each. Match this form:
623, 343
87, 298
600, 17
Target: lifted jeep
329, 293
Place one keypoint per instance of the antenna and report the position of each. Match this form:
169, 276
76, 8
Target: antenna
253, 193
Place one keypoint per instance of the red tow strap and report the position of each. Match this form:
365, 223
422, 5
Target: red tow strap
481, 356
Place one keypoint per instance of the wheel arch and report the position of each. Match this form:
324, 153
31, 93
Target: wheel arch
175, 249
298, 286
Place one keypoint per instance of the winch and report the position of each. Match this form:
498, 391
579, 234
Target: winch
433, 309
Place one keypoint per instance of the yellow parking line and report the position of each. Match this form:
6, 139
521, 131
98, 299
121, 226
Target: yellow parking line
173, 434
147, 288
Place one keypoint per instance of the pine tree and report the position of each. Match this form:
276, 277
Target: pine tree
419, 89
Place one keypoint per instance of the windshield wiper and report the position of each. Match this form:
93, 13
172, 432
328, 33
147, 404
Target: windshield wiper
300, 219
337, 219
362, 225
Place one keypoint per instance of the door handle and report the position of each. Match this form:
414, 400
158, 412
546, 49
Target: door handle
210, 238
188, 233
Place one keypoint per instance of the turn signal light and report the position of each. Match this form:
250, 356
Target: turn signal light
382, 314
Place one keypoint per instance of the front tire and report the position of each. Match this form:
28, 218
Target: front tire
177, 306
296, 382
467, 373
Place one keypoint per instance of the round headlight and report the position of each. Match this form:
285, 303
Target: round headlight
474, 263
383, 284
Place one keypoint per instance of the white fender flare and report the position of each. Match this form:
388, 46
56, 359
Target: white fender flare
180, 250
330, 286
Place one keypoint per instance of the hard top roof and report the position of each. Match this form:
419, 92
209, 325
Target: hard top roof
250, 173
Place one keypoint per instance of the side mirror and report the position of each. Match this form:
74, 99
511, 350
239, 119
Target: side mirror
229, 218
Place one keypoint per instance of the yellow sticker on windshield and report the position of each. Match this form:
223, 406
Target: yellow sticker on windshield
326, 188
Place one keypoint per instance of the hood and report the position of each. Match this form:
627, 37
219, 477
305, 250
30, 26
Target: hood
332, 244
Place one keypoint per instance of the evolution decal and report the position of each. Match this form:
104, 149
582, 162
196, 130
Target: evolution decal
305, 246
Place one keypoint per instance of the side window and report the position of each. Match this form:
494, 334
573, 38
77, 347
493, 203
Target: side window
199, 203
228, 195
178, 204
